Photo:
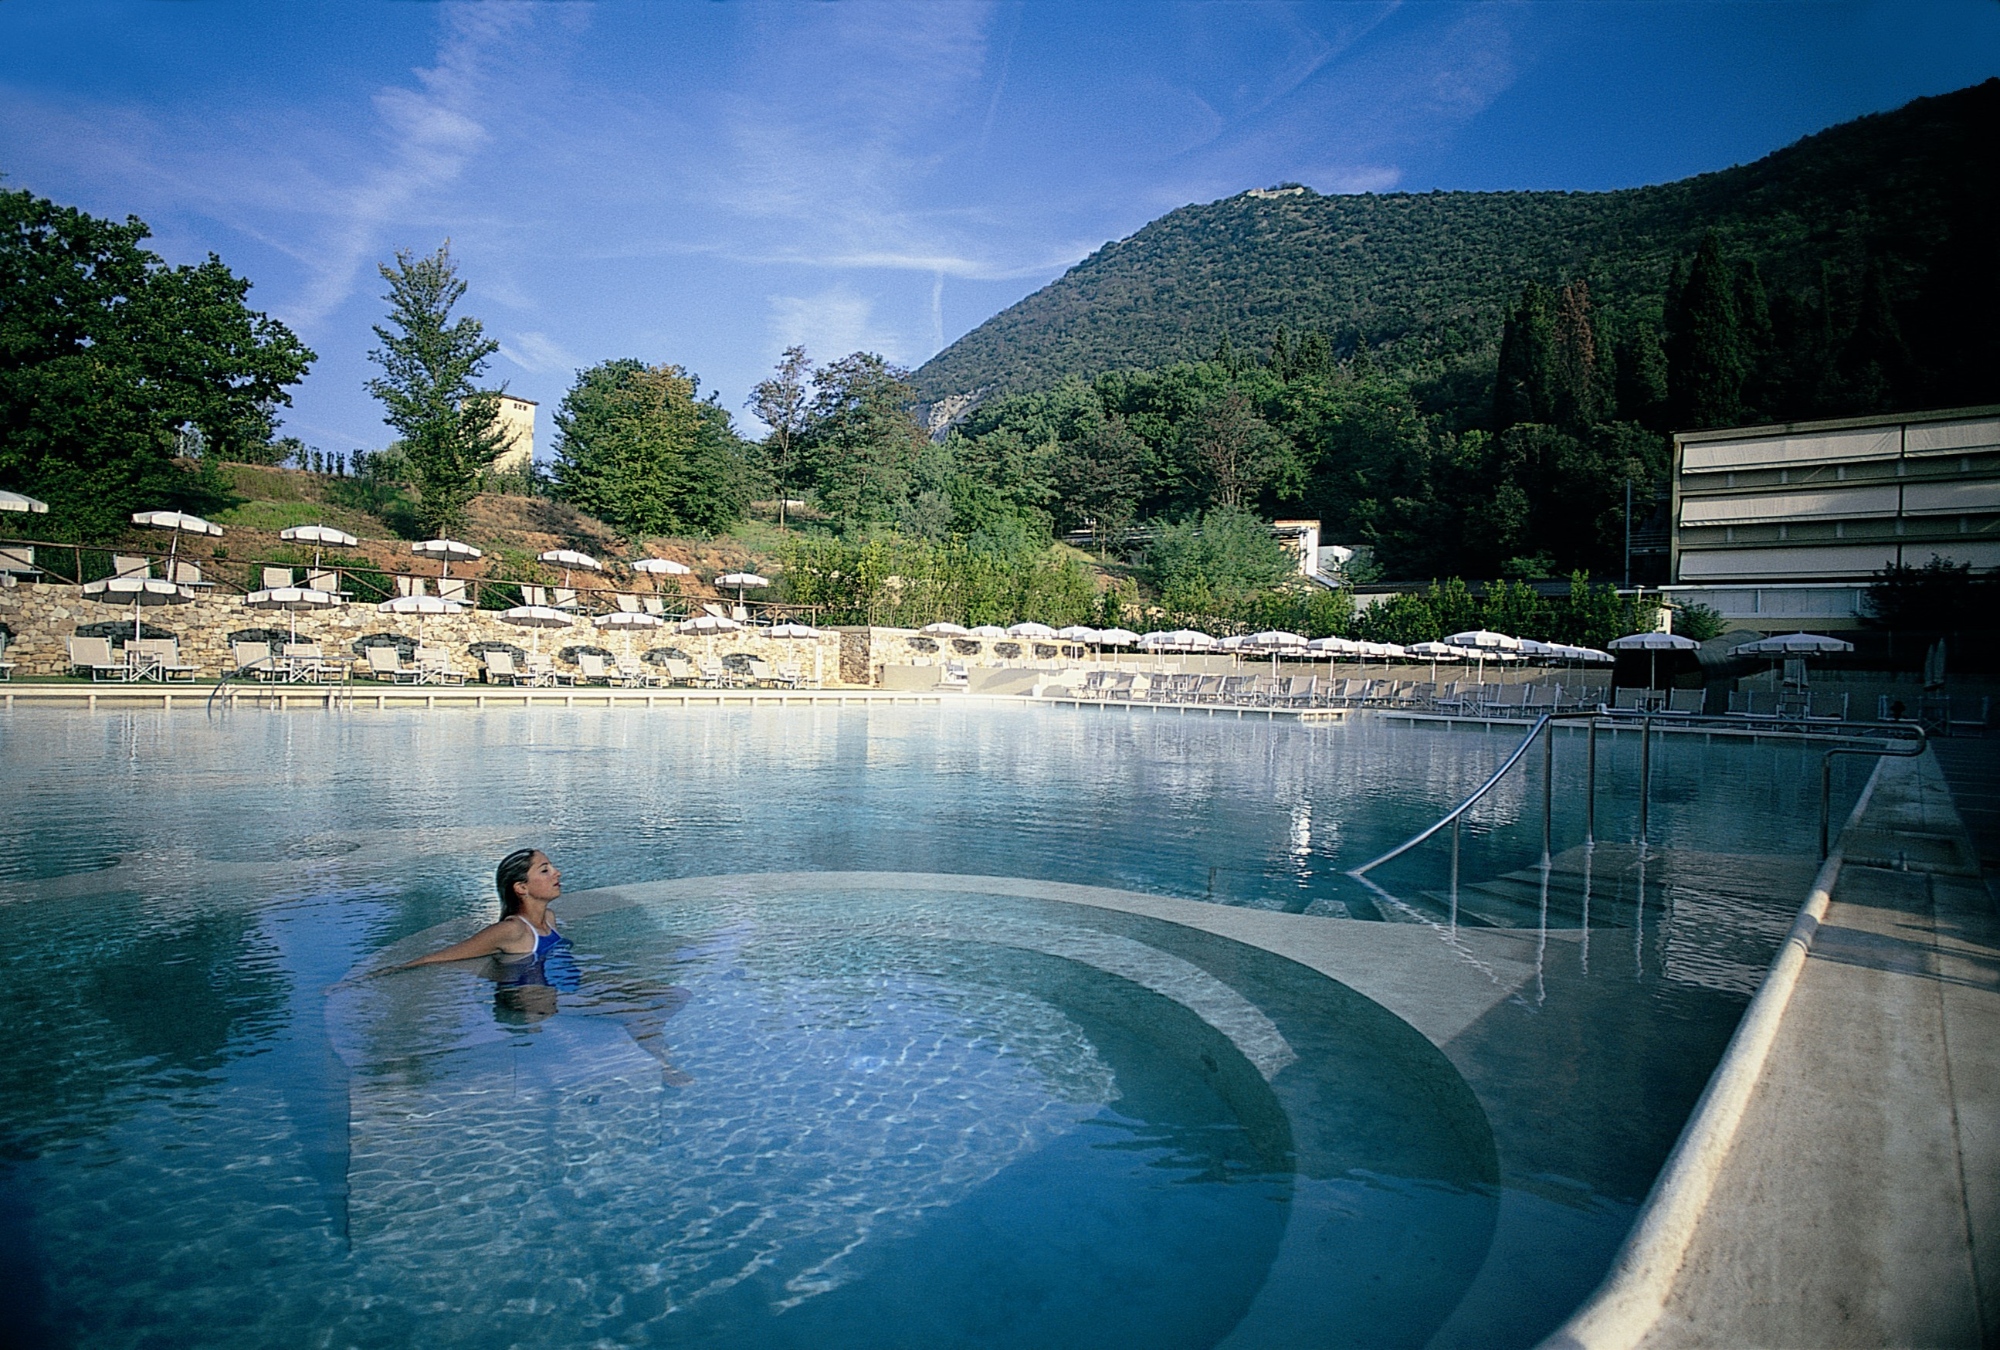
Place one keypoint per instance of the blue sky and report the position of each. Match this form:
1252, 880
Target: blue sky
705, 183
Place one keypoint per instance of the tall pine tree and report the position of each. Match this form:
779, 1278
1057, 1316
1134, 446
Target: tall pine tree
1523, 384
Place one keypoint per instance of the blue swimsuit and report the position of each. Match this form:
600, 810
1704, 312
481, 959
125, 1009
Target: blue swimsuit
550, 963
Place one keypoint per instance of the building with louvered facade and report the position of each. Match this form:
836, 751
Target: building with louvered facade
1784, 527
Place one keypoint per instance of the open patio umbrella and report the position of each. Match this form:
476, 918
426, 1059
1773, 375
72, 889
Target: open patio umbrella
1078, 632
945, 629
1179, 639
1653, 644
423, 606
570, 560
535, 618
1485, 642
1435, 652
1334, 646
321, 537
1117, 637
180, 522
742, 581
1031, 629
707, 623
292, 599
16, 501
987, 630
445, 550
1793, 644
625, 622
137, 592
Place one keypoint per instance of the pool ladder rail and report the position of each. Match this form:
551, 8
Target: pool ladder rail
1899, 733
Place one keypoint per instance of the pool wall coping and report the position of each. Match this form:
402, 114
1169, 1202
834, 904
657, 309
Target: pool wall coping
1633, 1295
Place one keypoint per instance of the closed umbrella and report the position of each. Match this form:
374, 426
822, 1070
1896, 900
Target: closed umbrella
321, 537
1653, 644
292, 599
15, 501
137, 592
445, 551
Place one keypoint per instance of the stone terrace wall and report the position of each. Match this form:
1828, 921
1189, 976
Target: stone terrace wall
43, 618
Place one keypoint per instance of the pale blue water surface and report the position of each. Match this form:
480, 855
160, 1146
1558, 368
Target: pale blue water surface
778, 1113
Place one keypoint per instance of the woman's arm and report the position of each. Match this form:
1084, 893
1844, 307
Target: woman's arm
486, 942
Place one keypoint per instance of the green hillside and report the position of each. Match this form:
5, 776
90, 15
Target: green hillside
1427, 278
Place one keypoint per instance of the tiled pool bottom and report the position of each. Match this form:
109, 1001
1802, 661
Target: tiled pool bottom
182, 1137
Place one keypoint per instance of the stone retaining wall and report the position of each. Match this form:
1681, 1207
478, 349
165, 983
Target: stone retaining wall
43, 618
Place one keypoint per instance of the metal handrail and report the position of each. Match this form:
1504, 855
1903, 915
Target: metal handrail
1826, 774
1541, 724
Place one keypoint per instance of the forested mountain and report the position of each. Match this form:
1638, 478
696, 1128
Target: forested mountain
1426, 280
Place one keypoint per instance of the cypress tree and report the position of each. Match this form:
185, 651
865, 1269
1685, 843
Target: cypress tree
1705, 348
1522, 386
1642, 375
1875, 365
1759, 341
1575, 367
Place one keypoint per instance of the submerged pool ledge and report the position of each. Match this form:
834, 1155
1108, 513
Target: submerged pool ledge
1839, 1182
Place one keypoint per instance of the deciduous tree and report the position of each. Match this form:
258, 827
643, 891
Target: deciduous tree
635, 446
782, 403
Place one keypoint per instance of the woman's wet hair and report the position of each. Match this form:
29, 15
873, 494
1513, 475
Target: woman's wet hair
512, 869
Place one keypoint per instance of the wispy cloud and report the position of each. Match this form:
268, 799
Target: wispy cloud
832, 322
539, 354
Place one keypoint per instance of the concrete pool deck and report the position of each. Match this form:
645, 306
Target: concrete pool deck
1856, 1200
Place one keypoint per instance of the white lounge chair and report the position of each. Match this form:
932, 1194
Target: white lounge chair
386, 663
94, 655
500, 667
277, 578
253, 659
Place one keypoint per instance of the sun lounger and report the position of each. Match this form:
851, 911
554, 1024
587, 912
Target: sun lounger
627, 604
1632, 700
18, 562
638, 673
1826, 707
654, 606
453, 588
762, 673
127, 565
277, 578
499, 666
323, 581
410, 586
156, 659
679, 671
386, 663
591, 669
1685, 702
565, 598
714, 675
253, 659
93, 654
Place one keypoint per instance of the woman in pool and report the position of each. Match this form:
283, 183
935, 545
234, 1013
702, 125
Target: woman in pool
528, 884
533, 961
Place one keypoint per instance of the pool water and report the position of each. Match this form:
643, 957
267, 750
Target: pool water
794, 1115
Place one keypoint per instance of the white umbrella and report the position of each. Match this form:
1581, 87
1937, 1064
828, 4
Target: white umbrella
1435, 652
535, 618
1486, 639
741, 581
15, 501
1334, 646
179, 522
136, 591
625, 622
570, 560
320, 537
948, 629
1276, 638
1180, 639
1653, 644
1792, 644
987, 630
420, 604
1031, 630
792, 630
707, 623
292, 599
661, 567
444, 550
1233, 642
1530, 647
1078, 632
1117, 637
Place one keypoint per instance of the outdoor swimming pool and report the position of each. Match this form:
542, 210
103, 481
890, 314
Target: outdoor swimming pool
953, 1112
